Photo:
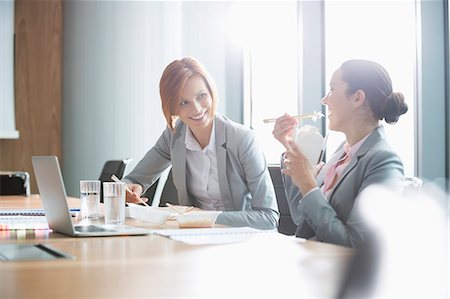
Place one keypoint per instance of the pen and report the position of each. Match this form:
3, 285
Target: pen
74, 212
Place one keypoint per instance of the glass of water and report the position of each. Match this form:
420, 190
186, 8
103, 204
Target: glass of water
114, 202
90, 199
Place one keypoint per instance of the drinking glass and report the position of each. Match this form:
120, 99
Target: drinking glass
90, 199
114, 202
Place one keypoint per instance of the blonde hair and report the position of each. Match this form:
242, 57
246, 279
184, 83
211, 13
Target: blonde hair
172, 83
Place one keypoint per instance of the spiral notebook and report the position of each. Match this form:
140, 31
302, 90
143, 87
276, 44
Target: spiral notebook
23, 212
30, 212
19, 219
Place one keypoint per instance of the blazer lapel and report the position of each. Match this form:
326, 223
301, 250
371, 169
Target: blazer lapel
370, 141
336, 156
221, 152
347, 169
179, 165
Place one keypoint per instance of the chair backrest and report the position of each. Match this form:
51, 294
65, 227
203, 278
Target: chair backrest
14, 183
116, 167
168, 194
286, 225
411, 185
413, 182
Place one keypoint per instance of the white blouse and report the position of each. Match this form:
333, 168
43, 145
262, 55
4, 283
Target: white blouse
202, 178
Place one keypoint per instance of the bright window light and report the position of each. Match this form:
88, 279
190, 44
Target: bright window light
268, 33
382, 31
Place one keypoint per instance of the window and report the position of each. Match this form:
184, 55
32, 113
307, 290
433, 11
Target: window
382, 31
7, 116
269, 36
276, 61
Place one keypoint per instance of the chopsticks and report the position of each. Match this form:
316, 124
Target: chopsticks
116, 179
178, 210
324, 146
312, 115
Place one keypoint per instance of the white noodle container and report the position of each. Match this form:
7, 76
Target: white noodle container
310, 141
150, 214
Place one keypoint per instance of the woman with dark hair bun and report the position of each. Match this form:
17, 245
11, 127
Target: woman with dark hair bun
373, 79
322, 205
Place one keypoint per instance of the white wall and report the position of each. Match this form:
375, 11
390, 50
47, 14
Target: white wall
114, 54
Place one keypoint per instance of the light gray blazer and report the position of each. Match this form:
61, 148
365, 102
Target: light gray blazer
244, 180
334, 219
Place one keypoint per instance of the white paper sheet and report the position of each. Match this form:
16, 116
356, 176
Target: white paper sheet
203, 236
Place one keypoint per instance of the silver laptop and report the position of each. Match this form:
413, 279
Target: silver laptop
54, 199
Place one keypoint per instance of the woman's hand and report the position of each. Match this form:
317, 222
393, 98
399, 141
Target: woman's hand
284, 129
133, 194
298, 168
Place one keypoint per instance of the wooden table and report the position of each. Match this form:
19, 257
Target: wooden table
268, 265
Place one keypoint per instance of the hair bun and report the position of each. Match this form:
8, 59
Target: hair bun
394, 106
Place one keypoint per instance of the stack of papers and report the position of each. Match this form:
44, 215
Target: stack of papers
23, 222
18, 219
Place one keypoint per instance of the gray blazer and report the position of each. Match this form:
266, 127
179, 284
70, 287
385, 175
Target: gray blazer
334, 219
244, 180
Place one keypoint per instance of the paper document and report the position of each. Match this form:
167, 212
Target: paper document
203, 236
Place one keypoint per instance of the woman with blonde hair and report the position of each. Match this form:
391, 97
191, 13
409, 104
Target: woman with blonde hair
216, 163
323, 205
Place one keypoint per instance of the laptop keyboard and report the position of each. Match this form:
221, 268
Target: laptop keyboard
92, 229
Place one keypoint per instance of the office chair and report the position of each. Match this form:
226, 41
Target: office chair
411, 186
14, 183
162, 191
413, 182
286, 225
116, 167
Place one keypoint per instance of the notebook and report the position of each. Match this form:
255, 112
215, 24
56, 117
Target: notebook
54, 199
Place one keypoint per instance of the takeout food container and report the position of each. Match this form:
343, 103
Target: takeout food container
150, 214
197, 219
310, 142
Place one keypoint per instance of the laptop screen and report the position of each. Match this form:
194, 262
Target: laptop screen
53, 193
